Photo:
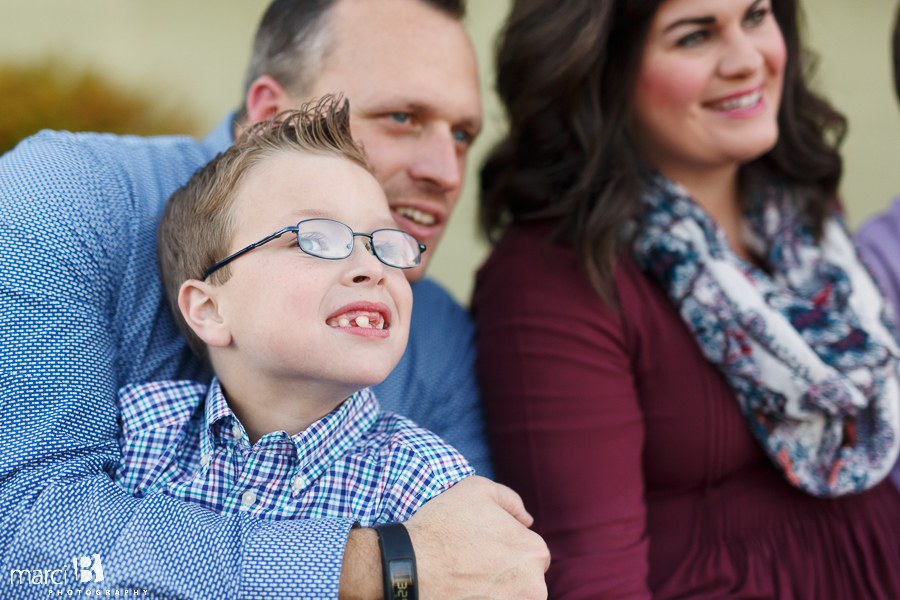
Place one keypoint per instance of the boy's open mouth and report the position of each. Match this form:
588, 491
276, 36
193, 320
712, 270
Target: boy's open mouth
363, 315
357, 319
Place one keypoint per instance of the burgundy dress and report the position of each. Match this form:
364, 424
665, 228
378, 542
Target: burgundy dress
630, 451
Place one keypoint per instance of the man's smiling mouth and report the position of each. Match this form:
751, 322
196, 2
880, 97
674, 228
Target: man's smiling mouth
416, 216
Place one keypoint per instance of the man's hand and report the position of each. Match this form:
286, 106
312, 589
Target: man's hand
472, 542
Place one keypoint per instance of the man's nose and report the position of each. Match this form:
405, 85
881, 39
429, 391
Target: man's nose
438, 160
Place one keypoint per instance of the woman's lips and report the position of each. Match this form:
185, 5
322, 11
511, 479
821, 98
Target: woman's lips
741, 103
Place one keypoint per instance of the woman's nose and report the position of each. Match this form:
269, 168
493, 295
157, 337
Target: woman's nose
741, 56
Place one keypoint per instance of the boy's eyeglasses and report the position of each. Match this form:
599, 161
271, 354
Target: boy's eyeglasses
332, 240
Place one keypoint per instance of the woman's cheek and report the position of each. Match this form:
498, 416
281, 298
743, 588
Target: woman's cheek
670, 86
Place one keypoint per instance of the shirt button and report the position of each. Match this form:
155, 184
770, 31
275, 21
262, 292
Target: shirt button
204, 460
297, 483
248, 498
236, 432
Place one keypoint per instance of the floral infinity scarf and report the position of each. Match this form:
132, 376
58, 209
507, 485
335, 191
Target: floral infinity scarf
808, 350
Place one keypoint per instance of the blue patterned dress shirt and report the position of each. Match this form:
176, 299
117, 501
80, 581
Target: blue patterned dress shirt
355, 463
82, 314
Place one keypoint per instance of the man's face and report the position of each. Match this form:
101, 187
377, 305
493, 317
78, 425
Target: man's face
410, 74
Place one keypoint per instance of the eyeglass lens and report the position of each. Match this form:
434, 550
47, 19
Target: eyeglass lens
331, 239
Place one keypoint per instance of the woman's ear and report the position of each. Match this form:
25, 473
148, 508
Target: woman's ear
265, 99
199, 306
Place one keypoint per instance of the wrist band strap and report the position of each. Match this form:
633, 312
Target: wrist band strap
398, 562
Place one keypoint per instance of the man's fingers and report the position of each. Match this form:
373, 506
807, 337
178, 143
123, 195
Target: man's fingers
511, 502
468, 547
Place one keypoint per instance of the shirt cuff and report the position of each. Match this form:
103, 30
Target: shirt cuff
294, 558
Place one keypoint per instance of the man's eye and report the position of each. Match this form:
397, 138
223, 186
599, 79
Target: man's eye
693, 40
401, 117
463, 137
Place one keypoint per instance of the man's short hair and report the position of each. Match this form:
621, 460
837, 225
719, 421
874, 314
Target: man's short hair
198, 222
292, 40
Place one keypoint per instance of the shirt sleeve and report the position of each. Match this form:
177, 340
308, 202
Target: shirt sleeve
436, 384
564, 417
64, 350
416, 465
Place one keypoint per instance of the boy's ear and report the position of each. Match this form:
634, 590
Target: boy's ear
199, 307
265, 99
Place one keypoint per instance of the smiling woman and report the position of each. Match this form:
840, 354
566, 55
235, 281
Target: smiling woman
688, 375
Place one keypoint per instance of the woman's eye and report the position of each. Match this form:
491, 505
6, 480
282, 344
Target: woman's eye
693, 40
756, 17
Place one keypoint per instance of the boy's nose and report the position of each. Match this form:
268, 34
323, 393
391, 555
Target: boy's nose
365, 267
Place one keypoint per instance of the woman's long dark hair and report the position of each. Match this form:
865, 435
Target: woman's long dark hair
566, 71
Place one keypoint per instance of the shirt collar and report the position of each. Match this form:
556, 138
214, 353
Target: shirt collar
317, 447
222, 137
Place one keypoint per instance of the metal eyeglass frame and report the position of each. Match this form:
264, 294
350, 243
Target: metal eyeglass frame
370, 246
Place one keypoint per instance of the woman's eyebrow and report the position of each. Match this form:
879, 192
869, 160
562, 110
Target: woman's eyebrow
710, 20
691, 21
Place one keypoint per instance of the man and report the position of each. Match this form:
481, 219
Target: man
416, 121
81, 313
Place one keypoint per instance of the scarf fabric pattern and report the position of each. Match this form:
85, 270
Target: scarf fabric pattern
807, 347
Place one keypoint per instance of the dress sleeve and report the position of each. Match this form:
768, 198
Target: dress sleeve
62, 251
564, 416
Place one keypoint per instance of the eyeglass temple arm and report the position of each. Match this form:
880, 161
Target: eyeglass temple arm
243, 251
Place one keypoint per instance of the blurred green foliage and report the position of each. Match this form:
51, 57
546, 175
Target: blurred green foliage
52, 95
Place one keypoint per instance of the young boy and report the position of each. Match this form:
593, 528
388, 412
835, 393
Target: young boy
284, 267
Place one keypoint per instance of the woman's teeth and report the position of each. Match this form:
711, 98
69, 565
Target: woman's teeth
360, 321
738, 103
416, 216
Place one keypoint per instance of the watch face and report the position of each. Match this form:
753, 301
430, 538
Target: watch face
401, 578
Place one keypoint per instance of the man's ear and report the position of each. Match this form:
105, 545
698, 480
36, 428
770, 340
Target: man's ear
199, 307
265, 99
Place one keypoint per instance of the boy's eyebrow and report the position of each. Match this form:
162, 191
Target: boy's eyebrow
308, 213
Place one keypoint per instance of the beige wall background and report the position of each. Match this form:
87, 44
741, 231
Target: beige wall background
192, 54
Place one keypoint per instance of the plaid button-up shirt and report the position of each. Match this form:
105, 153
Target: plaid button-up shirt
357, 462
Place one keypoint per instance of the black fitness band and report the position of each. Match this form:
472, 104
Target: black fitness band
398, 562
